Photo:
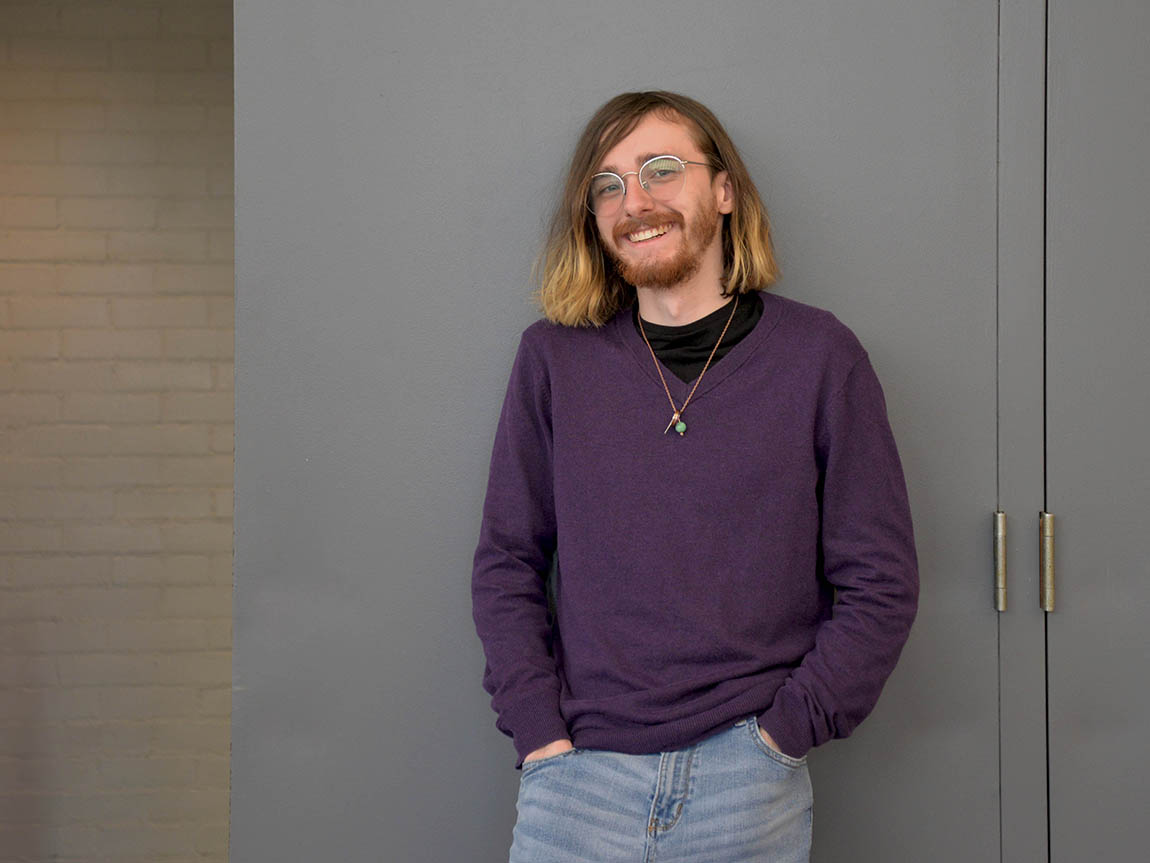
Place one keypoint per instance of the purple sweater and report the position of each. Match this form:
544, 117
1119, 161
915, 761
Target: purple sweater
695, 575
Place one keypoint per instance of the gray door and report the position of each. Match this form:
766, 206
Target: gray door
395, 163
1098, 413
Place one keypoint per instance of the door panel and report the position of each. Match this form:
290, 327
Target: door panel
395, 165
919, 780
1098, 411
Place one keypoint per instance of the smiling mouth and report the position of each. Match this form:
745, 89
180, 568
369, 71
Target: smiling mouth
648, 233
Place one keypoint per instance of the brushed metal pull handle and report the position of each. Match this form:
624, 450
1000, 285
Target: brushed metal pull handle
999, 561
1046, 560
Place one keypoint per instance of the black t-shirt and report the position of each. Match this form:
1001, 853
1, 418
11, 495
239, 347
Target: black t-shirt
684, 349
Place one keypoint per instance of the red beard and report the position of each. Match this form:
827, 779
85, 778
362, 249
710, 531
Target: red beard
666, 272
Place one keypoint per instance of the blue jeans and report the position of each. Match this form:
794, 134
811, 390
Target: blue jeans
728, 799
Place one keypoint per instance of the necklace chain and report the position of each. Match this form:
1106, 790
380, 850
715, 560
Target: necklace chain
676, 420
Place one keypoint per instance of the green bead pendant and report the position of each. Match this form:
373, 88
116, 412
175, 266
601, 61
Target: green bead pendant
680, 427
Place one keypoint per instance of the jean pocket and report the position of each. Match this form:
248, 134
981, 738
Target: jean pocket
780, 757
528, 766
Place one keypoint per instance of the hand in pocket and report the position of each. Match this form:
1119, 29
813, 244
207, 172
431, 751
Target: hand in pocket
769, 740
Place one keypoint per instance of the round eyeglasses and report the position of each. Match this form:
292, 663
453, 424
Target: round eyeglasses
661, 178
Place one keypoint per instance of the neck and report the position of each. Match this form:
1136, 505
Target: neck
688, 301
669, 307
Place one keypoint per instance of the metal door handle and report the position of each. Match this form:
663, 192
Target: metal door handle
1046, 560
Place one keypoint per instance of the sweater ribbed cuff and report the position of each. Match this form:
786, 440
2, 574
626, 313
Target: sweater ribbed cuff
789, 725
533, 724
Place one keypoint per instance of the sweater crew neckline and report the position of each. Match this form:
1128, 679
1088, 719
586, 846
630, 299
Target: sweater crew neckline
623, 329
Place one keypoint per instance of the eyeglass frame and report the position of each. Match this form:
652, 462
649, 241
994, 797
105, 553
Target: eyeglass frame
623, 181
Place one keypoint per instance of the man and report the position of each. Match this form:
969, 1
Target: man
707, 465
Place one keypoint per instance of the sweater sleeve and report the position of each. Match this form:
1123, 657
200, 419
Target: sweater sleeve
516, 541
867, 552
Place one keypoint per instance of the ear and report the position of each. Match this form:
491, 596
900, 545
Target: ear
724, 192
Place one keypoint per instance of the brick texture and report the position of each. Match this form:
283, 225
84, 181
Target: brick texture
116, 422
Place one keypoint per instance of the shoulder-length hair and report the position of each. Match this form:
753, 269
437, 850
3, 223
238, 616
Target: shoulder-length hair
578, 284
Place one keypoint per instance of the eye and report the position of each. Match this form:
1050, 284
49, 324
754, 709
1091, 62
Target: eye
605, 187
662, 170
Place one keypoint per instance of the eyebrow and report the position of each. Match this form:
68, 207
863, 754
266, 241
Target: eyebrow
640, 160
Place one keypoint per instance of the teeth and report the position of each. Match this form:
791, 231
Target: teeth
648, 234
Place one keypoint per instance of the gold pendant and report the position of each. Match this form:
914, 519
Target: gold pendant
674, 419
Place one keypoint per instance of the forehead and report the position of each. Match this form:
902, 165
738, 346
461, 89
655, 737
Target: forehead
652, 136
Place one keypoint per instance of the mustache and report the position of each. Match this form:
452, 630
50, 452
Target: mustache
633, 225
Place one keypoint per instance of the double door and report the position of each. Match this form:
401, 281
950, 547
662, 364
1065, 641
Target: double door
964, 183
1020, 734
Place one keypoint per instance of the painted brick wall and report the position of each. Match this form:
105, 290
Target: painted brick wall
116, 411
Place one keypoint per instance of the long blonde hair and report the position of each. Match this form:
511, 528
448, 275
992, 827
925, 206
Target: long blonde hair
578, 284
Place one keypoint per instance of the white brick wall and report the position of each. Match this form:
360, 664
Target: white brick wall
115, 429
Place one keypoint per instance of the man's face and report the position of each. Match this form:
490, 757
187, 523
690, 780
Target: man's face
692, 217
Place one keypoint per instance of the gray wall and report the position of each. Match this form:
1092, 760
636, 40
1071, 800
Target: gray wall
395, 167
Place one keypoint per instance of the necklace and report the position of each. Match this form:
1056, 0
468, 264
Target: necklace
677, 415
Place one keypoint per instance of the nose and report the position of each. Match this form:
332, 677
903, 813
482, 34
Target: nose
637, 201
